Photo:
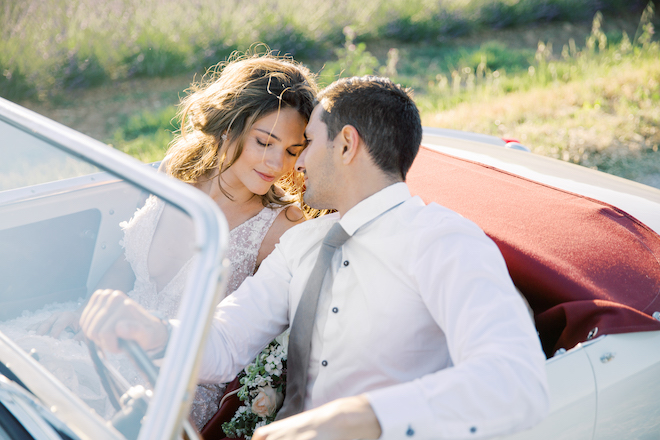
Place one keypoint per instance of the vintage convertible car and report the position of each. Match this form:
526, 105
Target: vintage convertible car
581, 246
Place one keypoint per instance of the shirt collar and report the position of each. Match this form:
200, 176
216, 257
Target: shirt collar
373, 206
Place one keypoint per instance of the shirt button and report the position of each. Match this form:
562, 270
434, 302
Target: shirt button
324, 363
335, 310
345, 262
473, 429
410, 432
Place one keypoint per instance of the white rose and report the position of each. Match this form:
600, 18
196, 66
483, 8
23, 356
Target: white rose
266, 402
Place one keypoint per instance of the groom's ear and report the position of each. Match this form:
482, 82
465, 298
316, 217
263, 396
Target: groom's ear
350, 143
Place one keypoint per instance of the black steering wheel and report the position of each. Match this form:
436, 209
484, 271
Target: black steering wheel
130, 402
131, 407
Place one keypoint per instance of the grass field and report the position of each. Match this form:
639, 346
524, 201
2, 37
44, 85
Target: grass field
556, 75
47, 46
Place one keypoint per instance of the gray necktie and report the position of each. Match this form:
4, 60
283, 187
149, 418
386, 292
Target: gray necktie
300, 339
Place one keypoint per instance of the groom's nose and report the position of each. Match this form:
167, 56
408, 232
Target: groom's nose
300, 162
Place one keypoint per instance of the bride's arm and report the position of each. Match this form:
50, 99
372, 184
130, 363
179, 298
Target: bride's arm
119, 276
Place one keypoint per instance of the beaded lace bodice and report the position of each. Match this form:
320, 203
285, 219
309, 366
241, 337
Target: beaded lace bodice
244, 243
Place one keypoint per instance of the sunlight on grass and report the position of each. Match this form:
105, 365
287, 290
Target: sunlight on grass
146, 135
147, 148
599, 107
596, 104
594, 101
608, 121
47, 46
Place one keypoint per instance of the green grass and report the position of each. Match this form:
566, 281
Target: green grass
598, 106
609, 120
146, 134
50, 46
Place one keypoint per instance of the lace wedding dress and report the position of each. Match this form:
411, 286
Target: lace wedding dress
244, 243
68, 358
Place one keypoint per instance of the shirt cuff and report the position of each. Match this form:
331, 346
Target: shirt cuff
402, 412
405, 412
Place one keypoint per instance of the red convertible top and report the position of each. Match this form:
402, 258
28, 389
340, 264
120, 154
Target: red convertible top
587, 268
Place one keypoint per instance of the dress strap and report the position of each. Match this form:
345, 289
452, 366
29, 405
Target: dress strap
270, 214
138, 235
244, 244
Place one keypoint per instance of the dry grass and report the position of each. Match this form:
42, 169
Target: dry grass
609, 121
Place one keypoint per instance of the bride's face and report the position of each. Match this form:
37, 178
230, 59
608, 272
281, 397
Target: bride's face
270, 151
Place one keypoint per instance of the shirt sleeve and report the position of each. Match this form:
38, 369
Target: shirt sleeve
247, 320
497, 384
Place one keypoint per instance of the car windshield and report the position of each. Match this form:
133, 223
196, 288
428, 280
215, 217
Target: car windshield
27, 160
67, 228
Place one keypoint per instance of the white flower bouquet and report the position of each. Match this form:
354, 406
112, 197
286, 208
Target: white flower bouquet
262, 391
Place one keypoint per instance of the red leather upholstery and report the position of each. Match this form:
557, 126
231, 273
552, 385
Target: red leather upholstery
580, 263
213, 429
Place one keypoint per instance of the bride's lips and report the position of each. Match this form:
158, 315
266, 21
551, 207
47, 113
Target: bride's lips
266, 177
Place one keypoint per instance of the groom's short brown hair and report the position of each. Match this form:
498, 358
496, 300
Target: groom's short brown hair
384, 115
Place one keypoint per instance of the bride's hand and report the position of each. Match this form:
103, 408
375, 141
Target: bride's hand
57, 323
110, 315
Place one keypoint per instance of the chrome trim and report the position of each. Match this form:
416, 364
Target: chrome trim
51, 188
30, 413
66, 405
208, 273
517, 146
464, 135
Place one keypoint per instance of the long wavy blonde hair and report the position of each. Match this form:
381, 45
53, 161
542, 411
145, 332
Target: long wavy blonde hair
228, 100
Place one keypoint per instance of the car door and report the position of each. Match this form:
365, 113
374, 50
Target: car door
572, 399
627, 373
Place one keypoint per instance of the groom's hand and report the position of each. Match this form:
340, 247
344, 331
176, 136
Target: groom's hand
347, 418
110, 315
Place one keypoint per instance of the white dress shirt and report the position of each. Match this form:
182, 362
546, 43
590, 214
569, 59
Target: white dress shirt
418, 312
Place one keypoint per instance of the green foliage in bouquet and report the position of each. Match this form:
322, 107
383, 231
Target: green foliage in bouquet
262, 392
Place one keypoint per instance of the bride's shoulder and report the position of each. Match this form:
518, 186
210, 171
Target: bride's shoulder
290, 214
288, 217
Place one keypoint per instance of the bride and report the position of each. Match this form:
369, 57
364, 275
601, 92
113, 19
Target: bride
242, 129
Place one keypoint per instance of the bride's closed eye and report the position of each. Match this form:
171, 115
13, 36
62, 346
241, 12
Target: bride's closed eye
293, 153
263, 144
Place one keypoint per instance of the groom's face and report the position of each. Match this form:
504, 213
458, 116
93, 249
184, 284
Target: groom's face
317, 163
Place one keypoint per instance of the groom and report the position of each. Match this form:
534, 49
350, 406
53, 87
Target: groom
404, 321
